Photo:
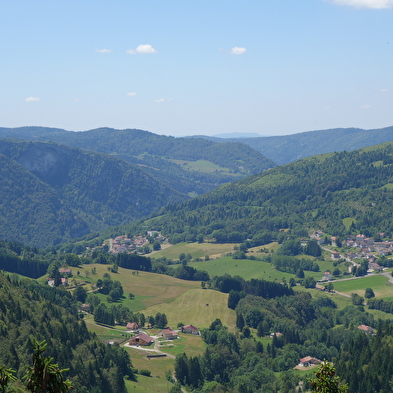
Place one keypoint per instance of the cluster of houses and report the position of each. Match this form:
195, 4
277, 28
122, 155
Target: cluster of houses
361, 247
124, 244
143, 339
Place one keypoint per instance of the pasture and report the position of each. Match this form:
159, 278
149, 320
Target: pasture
378, 283
201, 166
157, 382
199, 307
241, 267
149, 288
197, 250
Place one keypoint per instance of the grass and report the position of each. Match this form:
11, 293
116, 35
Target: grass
379, 284
149, 288
201, 166
348, 222
158, 367
191, 308
197, 250
192, 345
241, 267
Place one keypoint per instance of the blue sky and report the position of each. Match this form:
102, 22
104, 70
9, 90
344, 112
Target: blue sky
272, 67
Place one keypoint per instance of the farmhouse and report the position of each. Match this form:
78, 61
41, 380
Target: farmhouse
367, 329
335, 255
168, 334
132, 326
190, 329
327, 276
309, 361
141, 339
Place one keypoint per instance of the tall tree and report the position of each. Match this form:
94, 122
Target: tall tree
326, 381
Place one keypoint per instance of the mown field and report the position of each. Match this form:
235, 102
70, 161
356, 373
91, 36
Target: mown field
197, 250
199, 307
241, 267
379, 284
149, 288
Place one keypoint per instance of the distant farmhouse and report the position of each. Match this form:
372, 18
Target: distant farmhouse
168, 334
366, 329
141, 339
309, 361
190, 329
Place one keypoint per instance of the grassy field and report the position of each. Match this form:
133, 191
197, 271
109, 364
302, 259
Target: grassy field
200, 166
193, 345
149, 288
379, 284
197, 250
242, 267
156, 382
191, 308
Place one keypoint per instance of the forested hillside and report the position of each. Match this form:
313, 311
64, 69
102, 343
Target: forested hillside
32, 311
51, 193
287, 148
189, 165
324, 192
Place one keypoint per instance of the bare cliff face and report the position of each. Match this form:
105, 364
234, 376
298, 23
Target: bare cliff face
89, 191
47, 161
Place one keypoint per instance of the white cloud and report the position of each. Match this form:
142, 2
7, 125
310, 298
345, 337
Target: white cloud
160, 100
141, 49
238, 51
32, 99
365, 107
131, 94
103, 50
372, 4
384, 90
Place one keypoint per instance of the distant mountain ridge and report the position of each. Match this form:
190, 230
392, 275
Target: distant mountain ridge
188, 165
52, 193
288, 148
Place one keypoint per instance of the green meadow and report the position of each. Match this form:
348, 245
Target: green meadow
241, 267
197, 250
378, 283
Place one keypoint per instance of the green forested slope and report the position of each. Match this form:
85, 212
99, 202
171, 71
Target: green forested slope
32, 311
287, 148
155, 154
51, 193
313, 193
30, 210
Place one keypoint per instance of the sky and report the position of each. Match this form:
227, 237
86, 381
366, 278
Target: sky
193, 67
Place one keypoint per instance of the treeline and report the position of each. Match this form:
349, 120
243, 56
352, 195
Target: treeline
290, 264
29, 310
266, 289
24, 260
380, 304
134, 262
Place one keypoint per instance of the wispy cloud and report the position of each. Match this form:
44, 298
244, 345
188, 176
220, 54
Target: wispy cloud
371, 4
365, 107
131, 94
32, 99
145, 49
384, 90
103, 50
164, 100
237, 51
